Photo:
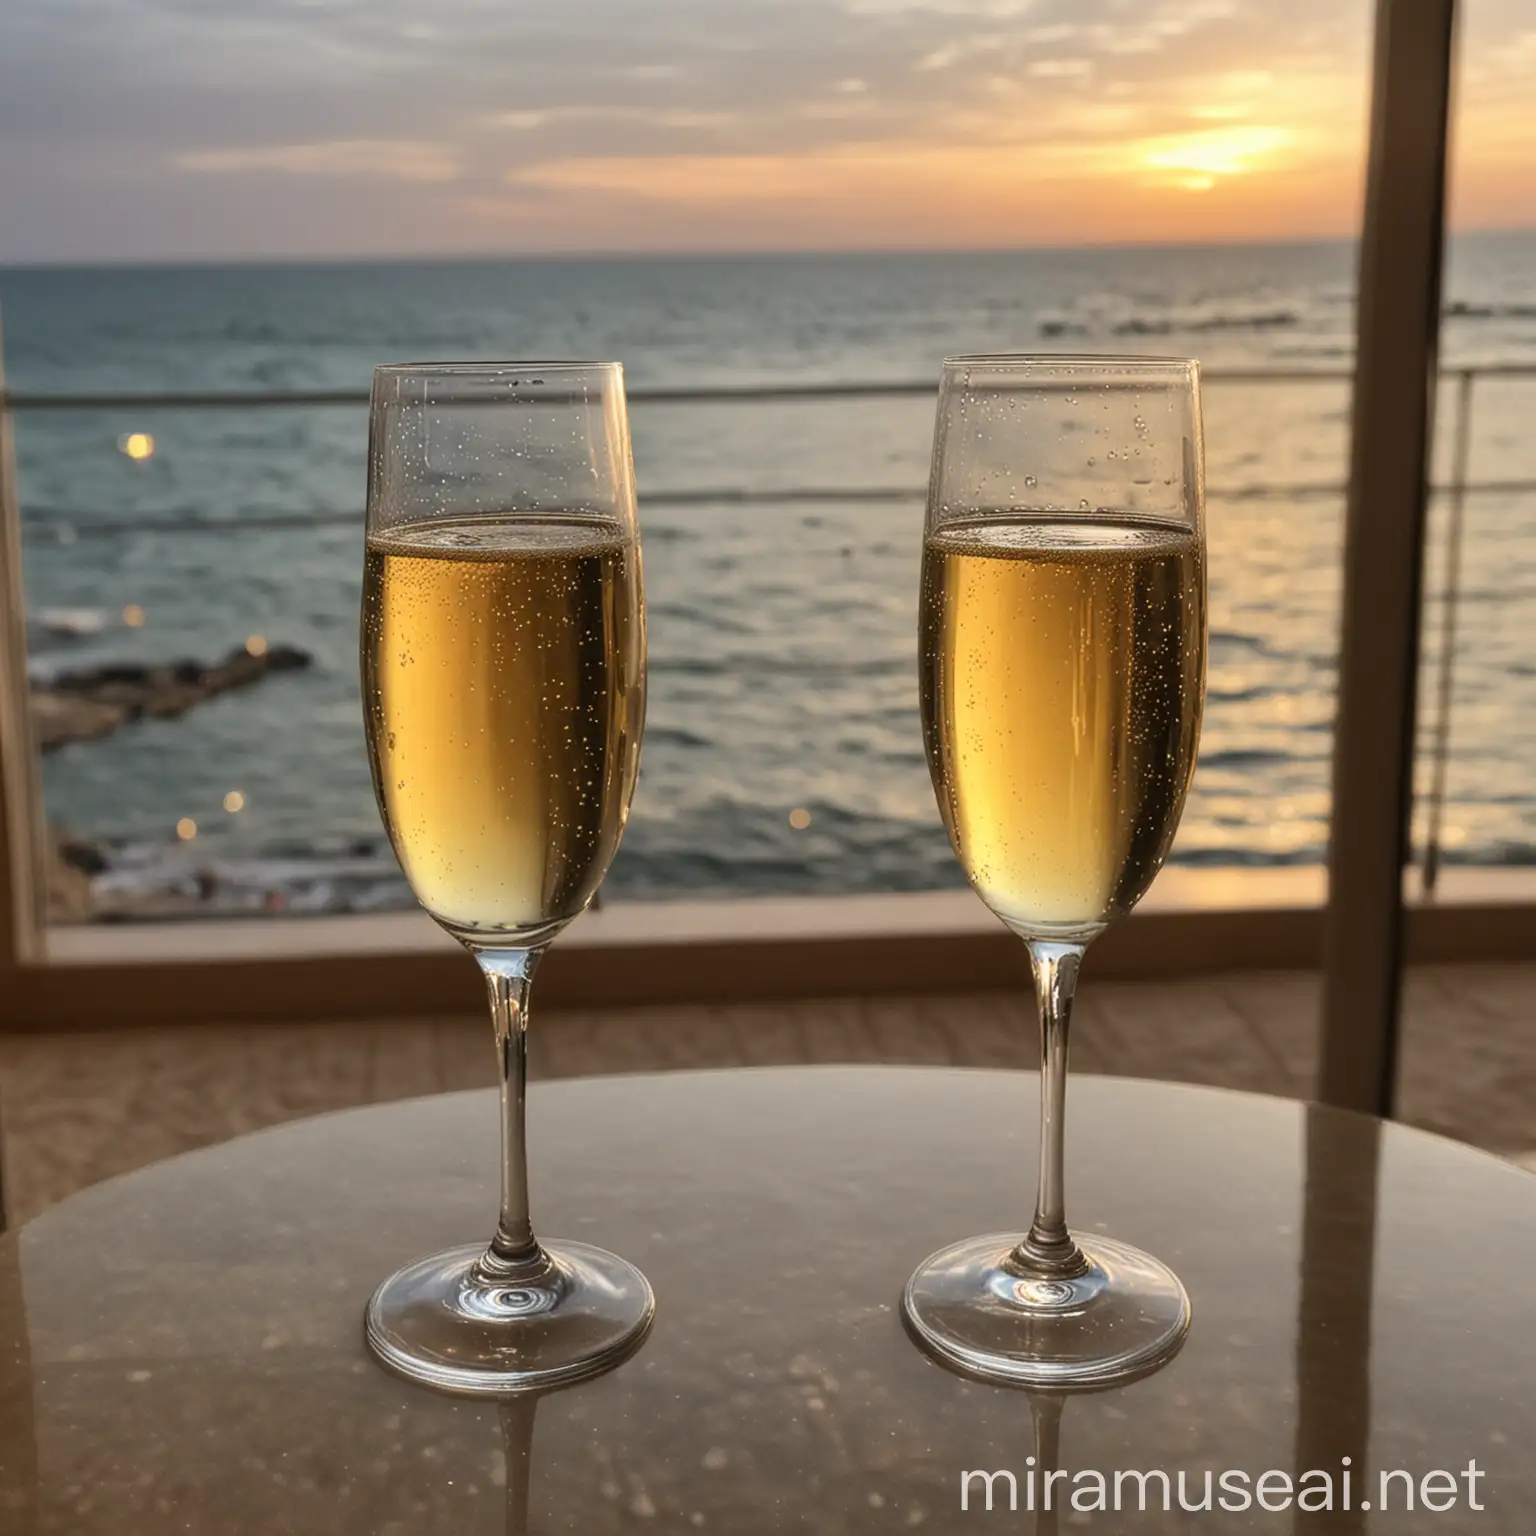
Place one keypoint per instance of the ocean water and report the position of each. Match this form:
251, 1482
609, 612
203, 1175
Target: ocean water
782, 636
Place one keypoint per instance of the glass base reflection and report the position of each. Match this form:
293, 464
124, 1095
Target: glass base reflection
443, 1322
978, 1309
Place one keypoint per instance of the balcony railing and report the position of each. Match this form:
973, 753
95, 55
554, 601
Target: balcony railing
1461, 381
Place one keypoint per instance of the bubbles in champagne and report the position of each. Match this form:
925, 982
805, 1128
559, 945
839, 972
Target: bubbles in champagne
1062, 683
505, 765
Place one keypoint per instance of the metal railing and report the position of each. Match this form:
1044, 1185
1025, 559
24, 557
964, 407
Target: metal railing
1458, 488
29, 402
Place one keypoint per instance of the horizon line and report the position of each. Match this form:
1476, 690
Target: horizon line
714, 253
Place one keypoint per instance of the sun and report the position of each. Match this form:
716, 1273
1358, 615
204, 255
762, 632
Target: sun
1197, 161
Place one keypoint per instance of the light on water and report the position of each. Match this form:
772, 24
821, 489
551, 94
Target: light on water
137, 445
186, 829
783, 652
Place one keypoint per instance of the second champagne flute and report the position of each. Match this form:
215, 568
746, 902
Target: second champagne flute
503, 668
1062, 678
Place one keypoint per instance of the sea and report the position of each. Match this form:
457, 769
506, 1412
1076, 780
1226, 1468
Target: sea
782, 750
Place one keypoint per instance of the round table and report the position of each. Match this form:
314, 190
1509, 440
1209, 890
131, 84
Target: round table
181, 1349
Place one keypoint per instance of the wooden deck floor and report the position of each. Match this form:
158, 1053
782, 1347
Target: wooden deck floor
78, 1108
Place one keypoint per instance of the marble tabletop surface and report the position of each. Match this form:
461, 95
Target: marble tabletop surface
181, 1348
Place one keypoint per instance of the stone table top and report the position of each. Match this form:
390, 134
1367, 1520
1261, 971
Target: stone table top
181, 1348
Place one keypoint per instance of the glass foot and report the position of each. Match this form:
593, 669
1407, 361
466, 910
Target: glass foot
437, 1322
975, 1308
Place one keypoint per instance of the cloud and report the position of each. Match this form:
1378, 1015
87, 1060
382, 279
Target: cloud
941, 58
392, 159
328, 111
948, 8
681, 178
530, 121
1061, 69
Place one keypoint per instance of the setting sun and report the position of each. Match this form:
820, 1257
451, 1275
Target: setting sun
864, 124
1207, 157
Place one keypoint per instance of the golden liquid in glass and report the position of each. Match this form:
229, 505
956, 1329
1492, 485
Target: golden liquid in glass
503, 671
1062, 681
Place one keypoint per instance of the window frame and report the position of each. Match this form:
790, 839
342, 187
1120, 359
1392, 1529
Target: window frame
349, 967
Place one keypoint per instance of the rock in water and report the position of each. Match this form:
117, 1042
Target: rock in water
94, 702
70, 861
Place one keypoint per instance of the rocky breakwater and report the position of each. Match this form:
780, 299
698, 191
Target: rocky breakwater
93, 702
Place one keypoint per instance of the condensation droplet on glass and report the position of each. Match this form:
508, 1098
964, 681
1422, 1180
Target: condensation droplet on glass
1092, 462
1083, 506
1030, 480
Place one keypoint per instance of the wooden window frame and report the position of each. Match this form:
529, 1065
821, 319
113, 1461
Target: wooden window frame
689, 951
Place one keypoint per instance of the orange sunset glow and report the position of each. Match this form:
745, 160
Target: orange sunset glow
769, 124
1210, 183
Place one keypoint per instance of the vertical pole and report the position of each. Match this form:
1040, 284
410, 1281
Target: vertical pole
1398, 329
1450, 601
20, 825
21, 917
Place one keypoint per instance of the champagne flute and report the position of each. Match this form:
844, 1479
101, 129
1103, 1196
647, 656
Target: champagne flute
1062, 657
503, 669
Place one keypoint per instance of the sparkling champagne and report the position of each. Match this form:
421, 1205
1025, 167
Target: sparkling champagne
504, 691
1062, 681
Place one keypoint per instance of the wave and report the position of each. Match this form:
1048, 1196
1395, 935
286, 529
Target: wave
1169, 325
1240, 640
754, 667
1244, 757
676, 736
154, 881
1265, 320
70, 623
1461, 309
1230, 855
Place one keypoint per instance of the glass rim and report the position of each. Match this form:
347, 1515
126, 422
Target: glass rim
1120, 362
493, 368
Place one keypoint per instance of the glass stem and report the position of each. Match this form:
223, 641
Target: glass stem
1048, 1250
514, 1255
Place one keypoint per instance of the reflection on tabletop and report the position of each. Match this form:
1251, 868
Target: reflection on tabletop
181, 1349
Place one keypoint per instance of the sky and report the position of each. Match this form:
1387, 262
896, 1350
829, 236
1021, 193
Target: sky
166, 129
